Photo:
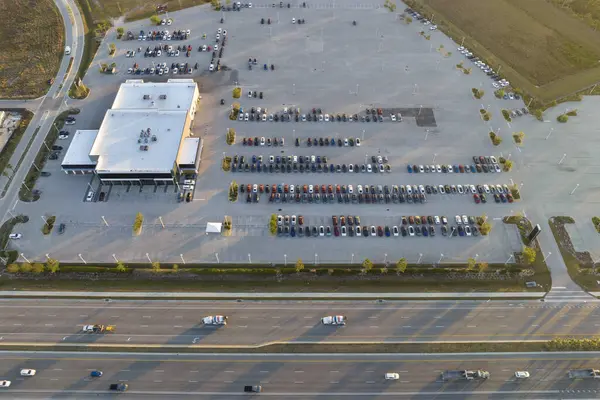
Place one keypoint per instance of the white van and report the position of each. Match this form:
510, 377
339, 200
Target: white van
67, 50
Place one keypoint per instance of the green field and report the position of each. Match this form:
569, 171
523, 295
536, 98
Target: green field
134, 9
546, 50
31, 47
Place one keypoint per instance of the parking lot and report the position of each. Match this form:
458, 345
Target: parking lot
327, 63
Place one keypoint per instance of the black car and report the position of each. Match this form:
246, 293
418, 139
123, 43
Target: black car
44, 173
61, 228
55, 147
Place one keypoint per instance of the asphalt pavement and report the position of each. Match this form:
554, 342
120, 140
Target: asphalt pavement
290, 376
174, 323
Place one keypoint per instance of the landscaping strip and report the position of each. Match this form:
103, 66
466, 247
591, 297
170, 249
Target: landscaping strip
13, 142
579, 264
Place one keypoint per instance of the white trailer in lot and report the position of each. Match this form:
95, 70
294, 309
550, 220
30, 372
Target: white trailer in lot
584, 374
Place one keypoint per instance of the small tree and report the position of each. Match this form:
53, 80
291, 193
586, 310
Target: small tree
562, 118
38, 268
508, 164
155, 266
401, 265
12, 268
299, 266
367, 264
408, 20
482, 266
53, 265
273, 224
467, 71
120, 31
26, 268
112, 48
471, 262
137, 223
237, 93
155, 20
233, 191
121, 267
230, 136
529, 255
175, 268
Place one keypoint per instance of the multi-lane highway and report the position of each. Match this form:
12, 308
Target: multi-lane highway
254, 323
166, 376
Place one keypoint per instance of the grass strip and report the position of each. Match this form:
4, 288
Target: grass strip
13, 142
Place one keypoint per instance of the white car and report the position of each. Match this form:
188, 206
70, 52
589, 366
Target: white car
90, 196
465, 220
262, 141
215, 320
310, 189
494, 160
293, 20
392, 376
473, 189
436, 219
438, 168
441, 189
241, 117
216, 48
486, 188
320, 117
188, 32
468, 230
264, 117
343, 229
433, 27
369, 168
249, 93
422, 189
421, 169
458, 219
4, 384
393, 117
334, 320
254, 188
495, 85
357, 142
63, 137
246, 116
395, 230
27, 372
350, 189
411, 230
326, 117
15, 235
521, 374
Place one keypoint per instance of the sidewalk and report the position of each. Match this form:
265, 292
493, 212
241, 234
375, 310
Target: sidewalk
294, 295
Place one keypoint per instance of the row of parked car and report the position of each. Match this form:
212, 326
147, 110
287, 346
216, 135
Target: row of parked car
162, 69
259, 166
373, 231
164, 35
481, 164
419, 17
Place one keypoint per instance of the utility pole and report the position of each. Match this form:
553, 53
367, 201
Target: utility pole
182, 259
420, 256
104, 220
148, 257
81, 257
115, 257
217, 257
24, 258
249, 259
161, 222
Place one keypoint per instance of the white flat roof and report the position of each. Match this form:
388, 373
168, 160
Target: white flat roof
189, 150
179, 95
117, 146
80, 147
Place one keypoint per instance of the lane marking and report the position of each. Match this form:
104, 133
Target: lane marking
439, 326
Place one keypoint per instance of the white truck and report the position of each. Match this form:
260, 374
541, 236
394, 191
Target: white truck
67, 50
215, 320
584, 374
465, 375
334, 320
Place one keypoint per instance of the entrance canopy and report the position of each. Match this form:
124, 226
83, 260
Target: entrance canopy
213, 227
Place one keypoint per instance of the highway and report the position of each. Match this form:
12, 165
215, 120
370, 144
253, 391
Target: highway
253, 323
166, 376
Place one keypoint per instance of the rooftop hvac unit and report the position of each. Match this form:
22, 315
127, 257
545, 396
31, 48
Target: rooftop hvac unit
142, 133
142, 148
147, 97
146, 148
163, 97
140, 140
148, 131
146, 140
154, 139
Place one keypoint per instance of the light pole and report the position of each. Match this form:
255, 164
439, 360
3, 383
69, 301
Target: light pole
476, 257
562, 159
148, 257
104, 220
385, 258
182, 259
24, 258
363, 135
161, 222
249, 259
115, 258
352, 259
549, 133
44, 219
574, 189
316, 255
420, 256
509, 258
420, 108
441, 256
80, 256
293, 88
426, 133
285, 260
357, 89
433, 161
217, 257
547, 255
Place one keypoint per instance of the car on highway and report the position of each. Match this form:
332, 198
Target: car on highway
28, 372
5, 384
15, 236
392, 376
334, 320
215, 320
521, 374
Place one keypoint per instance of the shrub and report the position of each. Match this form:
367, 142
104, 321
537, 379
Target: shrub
471, 262
226, 164
155, 20
596, 222
156, 267
477, 93
48, 225
508, 164
401, 265
518, 137
12, 268
121, 267
120, 32
52, 265
506, 115
367, 264
496, 140
539, 114
484, 226
529, 255
112, 48
26, 268
482, 266
572, 113
137, 223
408, 20
175, 268
237, 93
467, 71
273, 224
230, 136
233, 191
499, 93
299, 266
459, 65
38, 268
562, 118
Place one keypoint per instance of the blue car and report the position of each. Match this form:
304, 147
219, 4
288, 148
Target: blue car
425, 233
332, 141
455, 169
473, 169
409, 168
96, 374
293, 232
331, 168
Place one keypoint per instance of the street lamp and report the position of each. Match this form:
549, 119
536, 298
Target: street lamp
420, 256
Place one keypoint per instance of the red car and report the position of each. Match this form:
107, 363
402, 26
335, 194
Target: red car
477, 198
510, 198
336, 231
379, 231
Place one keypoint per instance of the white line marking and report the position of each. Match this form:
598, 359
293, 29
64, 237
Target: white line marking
471, 326
227, 381
125, 370
83, 315
177, 326
264, 372
230, 372
143, 326
334, 382
439, 326
193, 381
